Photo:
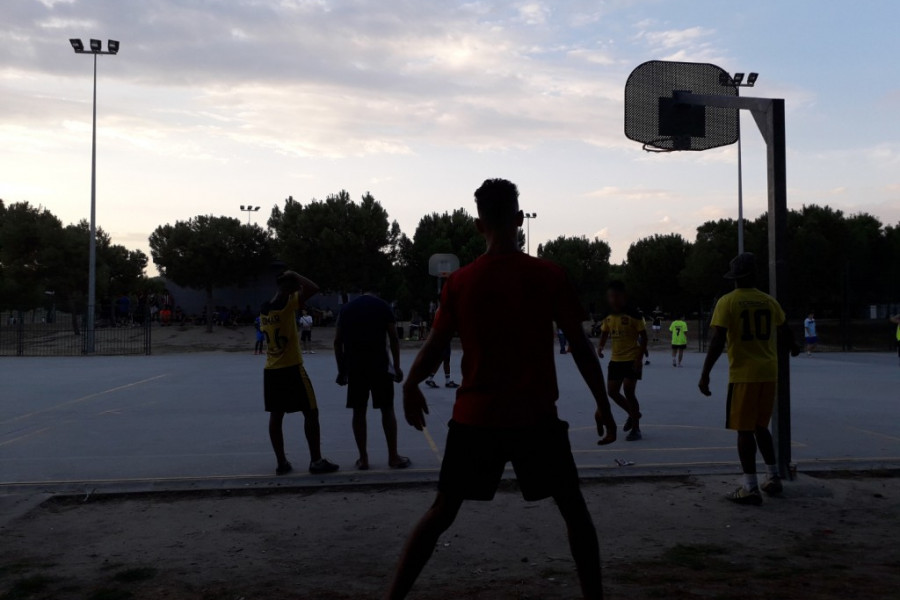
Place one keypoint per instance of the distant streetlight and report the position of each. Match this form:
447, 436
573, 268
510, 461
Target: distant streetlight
249, 209
528, 218
96, 48
738, 81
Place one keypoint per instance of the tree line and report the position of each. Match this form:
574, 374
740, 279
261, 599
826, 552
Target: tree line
838, 263
44, 263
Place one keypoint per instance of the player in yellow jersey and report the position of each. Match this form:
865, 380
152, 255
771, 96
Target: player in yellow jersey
679, 330
286, 385
628, 333
751, 324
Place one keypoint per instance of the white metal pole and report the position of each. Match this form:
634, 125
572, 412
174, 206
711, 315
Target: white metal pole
92, 265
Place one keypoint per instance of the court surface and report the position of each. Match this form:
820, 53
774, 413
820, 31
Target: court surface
199, 417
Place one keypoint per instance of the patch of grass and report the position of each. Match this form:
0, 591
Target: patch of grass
28, 586
135, 574
111, 594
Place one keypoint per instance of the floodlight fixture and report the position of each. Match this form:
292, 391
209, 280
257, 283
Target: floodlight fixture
249, 208
77, 45
96, 46
738, 78
751, 79
113, 46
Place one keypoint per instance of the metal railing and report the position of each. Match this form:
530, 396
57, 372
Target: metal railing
52, 333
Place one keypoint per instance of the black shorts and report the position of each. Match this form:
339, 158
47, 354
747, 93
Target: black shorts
679, 346
476, 457
288, 390
620, 370
306, 335
380, 386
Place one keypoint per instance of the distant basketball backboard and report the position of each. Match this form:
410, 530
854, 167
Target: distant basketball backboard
441, 265
654, 118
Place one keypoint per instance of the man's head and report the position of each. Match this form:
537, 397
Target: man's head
743, 270
615, 296
289, 282
812, 315
498, 206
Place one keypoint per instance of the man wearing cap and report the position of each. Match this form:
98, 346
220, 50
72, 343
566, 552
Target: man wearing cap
750, 324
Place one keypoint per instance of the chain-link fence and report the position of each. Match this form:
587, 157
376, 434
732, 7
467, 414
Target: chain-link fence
53, 333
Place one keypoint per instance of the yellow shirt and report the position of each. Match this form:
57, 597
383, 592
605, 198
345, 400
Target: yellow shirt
752, 319
623, 330
679, 333
279, 325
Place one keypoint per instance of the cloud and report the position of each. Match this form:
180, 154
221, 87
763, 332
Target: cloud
332, 79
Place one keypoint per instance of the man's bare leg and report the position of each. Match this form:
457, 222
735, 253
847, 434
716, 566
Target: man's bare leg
276, 435
583, 543
313, 434
420, 545
360, 434
389, 424
614, 389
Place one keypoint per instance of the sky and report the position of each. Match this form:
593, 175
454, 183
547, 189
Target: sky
213, 104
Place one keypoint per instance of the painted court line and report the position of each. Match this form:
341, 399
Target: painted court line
83, 399
432, 445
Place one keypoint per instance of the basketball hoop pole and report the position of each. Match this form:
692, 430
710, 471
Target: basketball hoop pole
769, 116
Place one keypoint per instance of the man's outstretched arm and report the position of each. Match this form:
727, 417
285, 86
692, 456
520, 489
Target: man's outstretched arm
716, 347
589, 366
427, 361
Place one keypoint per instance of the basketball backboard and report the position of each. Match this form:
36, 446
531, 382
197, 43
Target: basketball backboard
441, 265
654, 118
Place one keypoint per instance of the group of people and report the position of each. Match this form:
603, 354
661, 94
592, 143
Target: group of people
505, 410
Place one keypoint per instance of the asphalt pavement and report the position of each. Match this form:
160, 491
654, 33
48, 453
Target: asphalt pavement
140, 422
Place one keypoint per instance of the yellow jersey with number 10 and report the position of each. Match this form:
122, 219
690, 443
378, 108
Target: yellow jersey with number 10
279, 326
752, 319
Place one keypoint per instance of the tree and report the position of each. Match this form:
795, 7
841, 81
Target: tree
447, 233
208, 252
652, 271
342, 245
28, 238
586, 262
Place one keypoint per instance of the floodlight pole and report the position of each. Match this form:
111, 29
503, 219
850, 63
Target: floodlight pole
96, 48
528, 218
769, 116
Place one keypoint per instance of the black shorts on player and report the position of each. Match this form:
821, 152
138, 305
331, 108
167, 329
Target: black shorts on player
288, 390
679, 346
476, 457
306, 335
379, 385
620, 370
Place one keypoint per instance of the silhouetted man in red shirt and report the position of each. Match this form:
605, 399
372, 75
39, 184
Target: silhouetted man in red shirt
505, 409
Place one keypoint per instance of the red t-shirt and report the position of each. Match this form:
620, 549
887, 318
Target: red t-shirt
504, 308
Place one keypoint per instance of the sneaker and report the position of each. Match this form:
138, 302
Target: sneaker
674, 364
284, 469
773, 486
430, 383
742, 496
634, 436
312, 352
646, 362
629, 423
451, 384
322, 466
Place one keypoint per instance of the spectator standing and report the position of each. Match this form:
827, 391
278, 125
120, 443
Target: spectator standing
306, 322
363, 327
809, 332
286, 386
751, 324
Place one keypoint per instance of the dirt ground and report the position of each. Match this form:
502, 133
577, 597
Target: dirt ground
666, 538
